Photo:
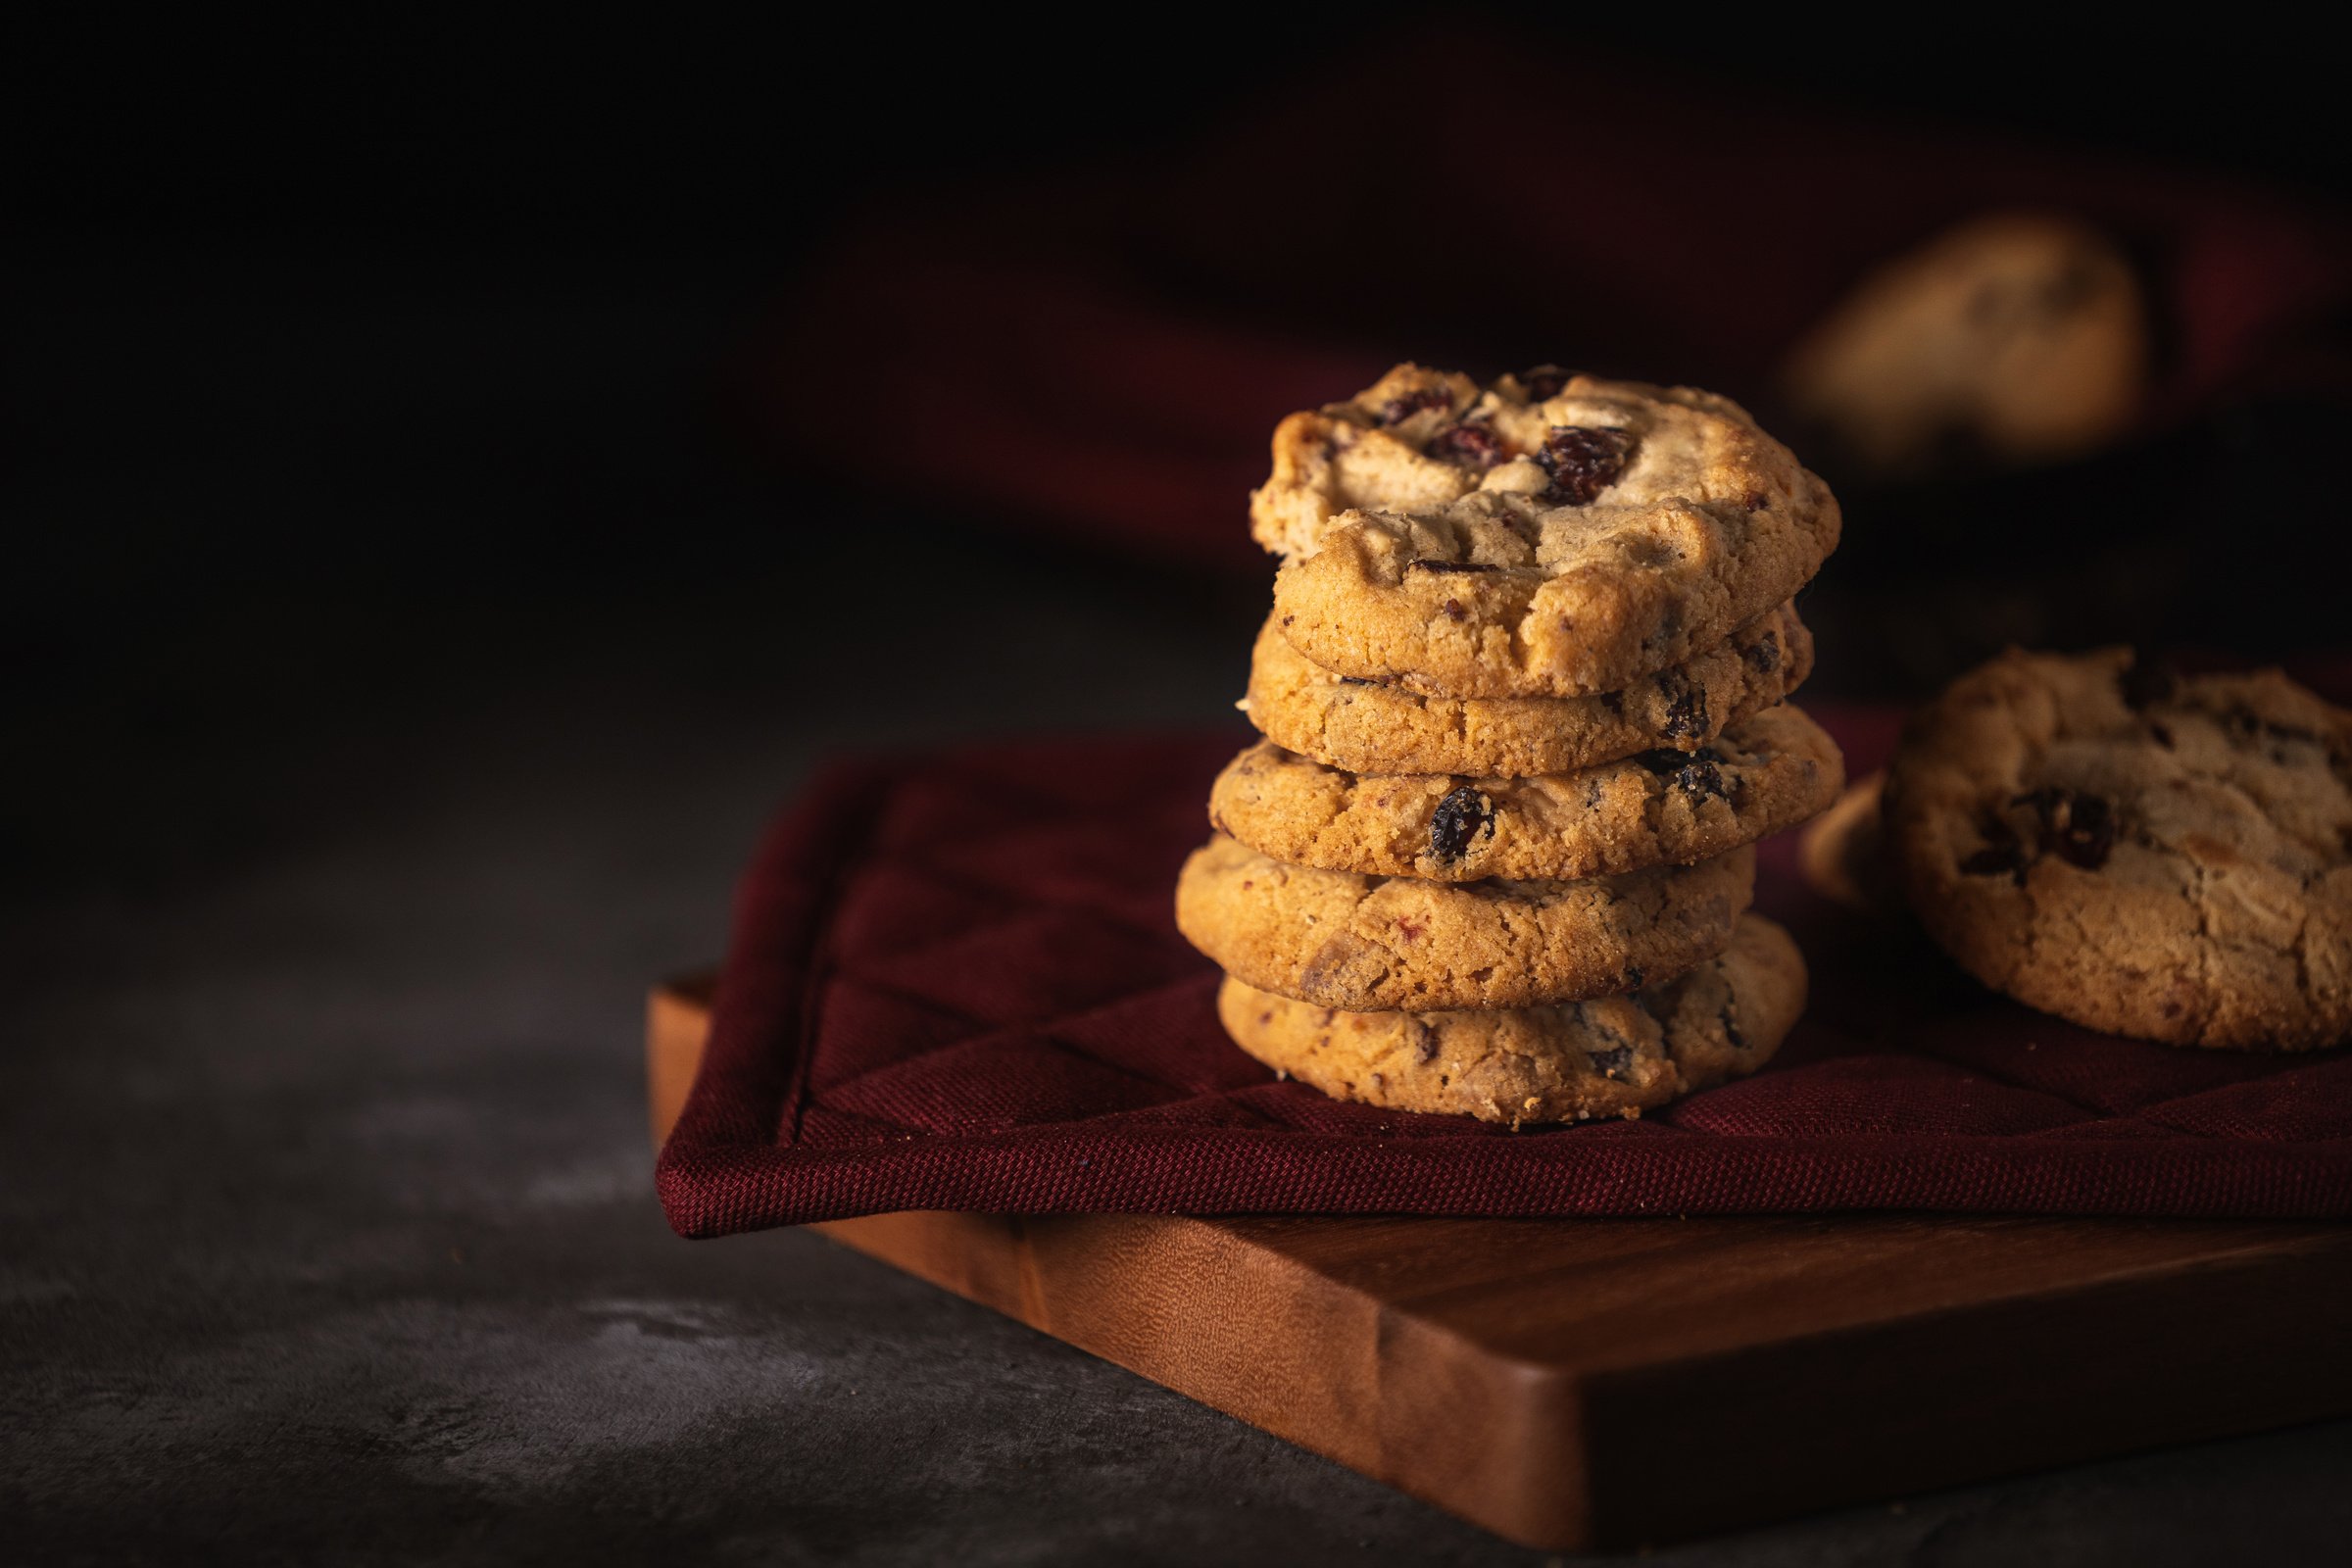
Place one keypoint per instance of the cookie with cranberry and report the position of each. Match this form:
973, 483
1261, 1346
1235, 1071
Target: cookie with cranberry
1414, 438
1370, 944
2153, 856
1597, 532
2016, 338
1384, 727
1659, 807
1571, 1061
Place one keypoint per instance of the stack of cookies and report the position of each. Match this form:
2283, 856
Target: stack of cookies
1522, 699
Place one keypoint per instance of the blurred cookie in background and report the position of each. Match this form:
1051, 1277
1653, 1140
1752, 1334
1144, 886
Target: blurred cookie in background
1841, 852
2015, 339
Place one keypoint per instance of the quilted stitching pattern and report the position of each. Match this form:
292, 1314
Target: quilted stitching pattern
956, 983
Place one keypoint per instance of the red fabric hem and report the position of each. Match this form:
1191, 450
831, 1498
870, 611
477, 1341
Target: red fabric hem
953, 985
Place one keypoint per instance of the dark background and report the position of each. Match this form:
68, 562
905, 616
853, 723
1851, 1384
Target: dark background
412, 611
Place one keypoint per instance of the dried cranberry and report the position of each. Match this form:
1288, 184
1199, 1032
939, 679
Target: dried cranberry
1543, 382
1583, 461
1425, 1040
1764, 653
1686, 712
1612, 1063
2147, 682
1453, 609
2088, 835
1399, 410
1758, 499
1697, 772
1461, 816
2002, 856
1703, 778
2080, 829
1470, 445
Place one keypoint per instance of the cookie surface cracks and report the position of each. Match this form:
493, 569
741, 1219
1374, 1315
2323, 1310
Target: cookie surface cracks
2164, 857
1618, 528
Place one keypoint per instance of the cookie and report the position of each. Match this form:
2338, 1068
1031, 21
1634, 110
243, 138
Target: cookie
1414, 438
1661, 807
2017, 337
1613, 1056
1384, 727
1369, 942
1841, 853
1600, 534
2150, 856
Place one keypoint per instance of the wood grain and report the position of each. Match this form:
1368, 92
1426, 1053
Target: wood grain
1572, 1383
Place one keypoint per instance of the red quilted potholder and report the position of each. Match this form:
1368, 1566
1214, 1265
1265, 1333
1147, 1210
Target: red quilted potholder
956, 983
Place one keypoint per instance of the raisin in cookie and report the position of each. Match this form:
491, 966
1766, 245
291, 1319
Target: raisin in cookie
1661, 808
1598, 532
1384, 727
2157, 857
1370, 942
1614, 1057
2017, 337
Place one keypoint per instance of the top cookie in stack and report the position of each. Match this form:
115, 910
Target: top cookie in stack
1522, 693
1556, 536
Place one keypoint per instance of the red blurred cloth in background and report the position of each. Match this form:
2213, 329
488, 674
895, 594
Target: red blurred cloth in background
1103, 354
956, 983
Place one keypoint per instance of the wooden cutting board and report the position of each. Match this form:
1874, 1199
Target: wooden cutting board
1575, 1383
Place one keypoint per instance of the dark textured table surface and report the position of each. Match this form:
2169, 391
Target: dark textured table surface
326, 1222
